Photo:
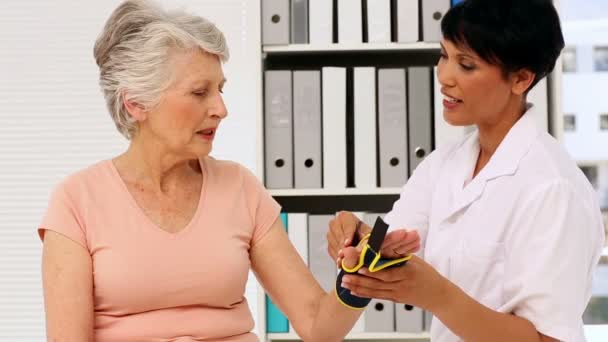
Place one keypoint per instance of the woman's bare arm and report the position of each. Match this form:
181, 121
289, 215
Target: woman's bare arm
316, 315
67, 274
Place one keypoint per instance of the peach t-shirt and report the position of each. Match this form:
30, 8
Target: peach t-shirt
151, 285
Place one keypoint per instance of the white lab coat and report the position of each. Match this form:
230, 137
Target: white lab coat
522, 237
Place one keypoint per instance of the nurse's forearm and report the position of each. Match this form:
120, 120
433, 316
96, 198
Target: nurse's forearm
333, 320
473, 321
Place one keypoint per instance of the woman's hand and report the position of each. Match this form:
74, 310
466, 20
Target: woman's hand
416, 283
342, 229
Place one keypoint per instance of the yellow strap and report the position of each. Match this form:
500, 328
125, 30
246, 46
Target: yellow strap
372, 267
346, 305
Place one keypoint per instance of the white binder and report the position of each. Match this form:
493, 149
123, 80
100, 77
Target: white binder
380, 316
408, 318
320, 22
298, 233
350, 24
407, 21
334, 128
365, 127
379, 21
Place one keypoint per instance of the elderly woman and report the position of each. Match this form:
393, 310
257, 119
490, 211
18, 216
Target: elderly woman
156, 244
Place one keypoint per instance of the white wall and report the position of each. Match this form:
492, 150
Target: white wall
53, 122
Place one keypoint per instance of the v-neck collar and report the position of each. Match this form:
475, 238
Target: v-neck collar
136, 207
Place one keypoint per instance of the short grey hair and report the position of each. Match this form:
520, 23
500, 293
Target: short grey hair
134, 49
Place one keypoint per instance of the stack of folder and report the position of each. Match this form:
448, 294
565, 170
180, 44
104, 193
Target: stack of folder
351, 21
308, 124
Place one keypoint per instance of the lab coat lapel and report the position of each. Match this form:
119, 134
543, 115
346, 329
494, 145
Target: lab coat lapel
504, 162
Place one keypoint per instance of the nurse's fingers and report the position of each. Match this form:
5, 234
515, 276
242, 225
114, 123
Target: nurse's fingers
400, 237
398, 251
406, 250
367, 292
352, 281
400, 243
371, 293
389, 275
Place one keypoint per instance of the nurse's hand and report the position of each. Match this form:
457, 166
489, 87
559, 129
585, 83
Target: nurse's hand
343, 227
416, 283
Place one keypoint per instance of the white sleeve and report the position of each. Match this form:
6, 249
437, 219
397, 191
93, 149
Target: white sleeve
411, 210
551, 255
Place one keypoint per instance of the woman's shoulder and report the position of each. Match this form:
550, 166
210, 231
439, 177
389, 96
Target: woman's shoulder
227, 169
231, 177
548, 161
87, 178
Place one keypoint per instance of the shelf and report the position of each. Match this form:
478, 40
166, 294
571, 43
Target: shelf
334, 192
324, 201
311, 48
370, 336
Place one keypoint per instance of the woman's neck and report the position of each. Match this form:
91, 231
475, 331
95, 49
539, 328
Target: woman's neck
152, 167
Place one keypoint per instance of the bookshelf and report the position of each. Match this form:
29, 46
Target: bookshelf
334, 192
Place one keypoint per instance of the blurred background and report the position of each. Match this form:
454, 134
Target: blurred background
585, 119
53, 122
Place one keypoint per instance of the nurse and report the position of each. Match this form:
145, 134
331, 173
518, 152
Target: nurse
510, 228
